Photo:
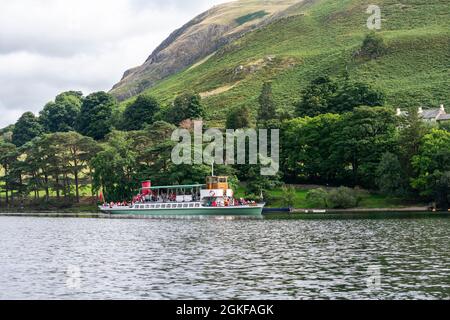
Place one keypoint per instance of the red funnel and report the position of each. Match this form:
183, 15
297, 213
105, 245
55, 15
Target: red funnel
146, 185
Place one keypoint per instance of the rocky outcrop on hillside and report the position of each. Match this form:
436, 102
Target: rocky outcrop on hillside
199, 38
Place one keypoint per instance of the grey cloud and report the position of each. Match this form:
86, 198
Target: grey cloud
191, 5
50, 46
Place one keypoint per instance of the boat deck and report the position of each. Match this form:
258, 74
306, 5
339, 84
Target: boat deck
187, 208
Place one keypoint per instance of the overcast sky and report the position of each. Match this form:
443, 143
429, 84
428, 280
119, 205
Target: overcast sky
50, 46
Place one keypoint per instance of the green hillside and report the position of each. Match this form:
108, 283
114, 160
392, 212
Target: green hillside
321, 37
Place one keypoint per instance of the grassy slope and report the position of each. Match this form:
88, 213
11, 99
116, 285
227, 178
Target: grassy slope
237, 15
320, 38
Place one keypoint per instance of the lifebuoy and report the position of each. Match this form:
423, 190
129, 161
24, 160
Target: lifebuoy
212, 193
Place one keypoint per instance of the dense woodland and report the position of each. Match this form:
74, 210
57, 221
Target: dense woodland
341, 134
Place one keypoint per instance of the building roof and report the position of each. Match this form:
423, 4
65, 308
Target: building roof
436, 114
443, 117
430, 113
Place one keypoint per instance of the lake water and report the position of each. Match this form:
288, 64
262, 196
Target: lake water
44, 258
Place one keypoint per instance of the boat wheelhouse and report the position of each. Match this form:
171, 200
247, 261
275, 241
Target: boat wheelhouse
215, 198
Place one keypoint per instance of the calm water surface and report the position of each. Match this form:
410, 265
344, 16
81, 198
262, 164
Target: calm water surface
44, 258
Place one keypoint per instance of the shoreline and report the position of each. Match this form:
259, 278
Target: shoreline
363, 210
296, 213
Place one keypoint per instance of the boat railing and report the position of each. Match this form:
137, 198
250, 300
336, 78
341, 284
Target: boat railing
174, 205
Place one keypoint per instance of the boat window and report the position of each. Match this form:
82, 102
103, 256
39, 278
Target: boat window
197, 205
174, 206
147, 206
191, 205
185, 205
136, 207
163, 206
142, 207
152, 206
158, 206
223, 180
211, 180
180, 205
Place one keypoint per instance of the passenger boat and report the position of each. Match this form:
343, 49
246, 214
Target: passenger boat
214, 198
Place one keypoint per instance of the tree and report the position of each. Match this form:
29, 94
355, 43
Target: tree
95, 119
140, 113
52, 155
354, 94
267, 108
31, 176
77, 151
391, 178
363, 136
444, 125
306, 146
317, 198
35, 167
6, 133
373, 46
26, 129
154, 156
185, 106
61, 115
432, 166
115, 168
259, 185
288, 196
325, 95
316, 97
342, 198
238, 118
129, 157
8, 155
412, 131
14, 174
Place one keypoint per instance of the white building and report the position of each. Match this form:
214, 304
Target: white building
430, 115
